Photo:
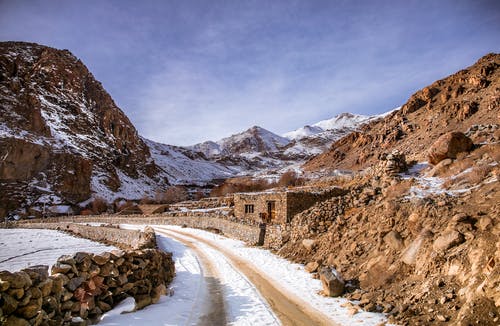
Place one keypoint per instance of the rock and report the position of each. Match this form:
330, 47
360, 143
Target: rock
332, 282
103, 306
409, 256
448, 146
308, 244
4, 285
16, 321
74, 283
58, 282
484, 222
158, 292
37, 273
393, 239
16, 293
447, 240
142, 301
60, 268
102, 259
16, 280
29, 311
312, 267
9, 304
46, 287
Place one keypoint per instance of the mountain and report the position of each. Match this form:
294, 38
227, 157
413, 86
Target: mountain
456, 103
62, 137
312, 140
343, 121
186, 166
249, 143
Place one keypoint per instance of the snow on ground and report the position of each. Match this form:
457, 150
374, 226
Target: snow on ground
291, 277
243, 303
22, 248
426, 186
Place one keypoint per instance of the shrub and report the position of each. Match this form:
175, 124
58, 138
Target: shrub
99, 205
172, 195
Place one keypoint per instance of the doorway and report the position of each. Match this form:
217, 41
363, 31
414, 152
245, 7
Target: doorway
271, 210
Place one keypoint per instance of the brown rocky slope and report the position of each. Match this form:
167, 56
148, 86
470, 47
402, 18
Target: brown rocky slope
417, 241
61, 135
455, 103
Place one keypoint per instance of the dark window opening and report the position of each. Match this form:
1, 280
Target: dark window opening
249, 209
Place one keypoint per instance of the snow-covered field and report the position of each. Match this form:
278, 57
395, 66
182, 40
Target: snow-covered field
21, 248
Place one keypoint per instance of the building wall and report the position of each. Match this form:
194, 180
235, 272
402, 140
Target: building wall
260, 200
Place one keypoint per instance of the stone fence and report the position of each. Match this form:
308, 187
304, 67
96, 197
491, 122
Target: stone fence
125, 239
249, 233
82, 287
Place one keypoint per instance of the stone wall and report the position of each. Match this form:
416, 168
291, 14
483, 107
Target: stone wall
229, 226
125, 239
259, 201
287, 203
83, 285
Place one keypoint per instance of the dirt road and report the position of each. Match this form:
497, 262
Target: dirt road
289, 309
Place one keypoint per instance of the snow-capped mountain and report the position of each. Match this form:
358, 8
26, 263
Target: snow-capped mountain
249, 143
343, 121
64, 141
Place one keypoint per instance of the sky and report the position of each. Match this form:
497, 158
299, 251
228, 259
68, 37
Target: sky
190, 71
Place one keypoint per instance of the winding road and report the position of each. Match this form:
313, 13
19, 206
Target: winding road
277, 306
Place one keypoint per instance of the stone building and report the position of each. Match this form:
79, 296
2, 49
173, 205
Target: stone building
277, 207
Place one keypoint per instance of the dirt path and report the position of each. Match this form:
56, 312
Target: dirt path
289, 309
214, 312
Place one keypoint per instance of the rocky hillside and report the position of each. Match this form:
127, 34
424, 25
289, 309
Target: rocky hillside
421, 245
456, 103
62, 138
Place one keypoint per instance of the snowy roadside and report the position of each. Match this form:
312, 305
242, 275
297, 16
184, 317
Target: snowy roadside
22, 248
288, 276
243, 303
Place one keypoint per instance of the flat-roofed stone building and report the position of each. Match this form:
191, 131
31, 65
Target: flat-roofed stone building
278, 206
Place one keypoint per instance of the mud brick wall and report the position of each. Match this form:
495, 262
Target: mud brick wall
83, 285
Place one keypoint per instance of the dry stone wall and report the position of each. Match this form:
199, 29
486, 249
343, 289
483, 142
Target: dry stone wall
125, 239
83, 285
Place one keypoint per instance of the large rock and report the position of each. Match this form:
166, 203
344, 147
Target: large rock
448, 146
308, 244
312, 267
332, 282
447, 240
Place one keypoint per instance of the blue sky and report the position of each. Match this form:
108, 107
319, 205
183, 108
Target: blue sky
189, 71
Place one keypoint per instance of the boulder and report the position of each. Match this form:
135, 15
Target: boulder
332, 282
447, 240
448, 146
308, 244
312, 267
393, 239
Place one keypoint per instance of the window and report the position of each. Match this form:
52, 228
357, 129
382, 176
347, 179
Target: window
248, 209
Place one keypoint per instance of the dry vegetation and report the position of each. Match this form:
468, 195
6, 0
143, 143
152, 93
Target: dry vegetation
248, 184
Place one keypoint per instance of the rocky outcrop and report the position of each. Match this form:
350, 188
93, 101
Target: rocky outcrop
62, 137
83, 286
448, 146
456, 103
